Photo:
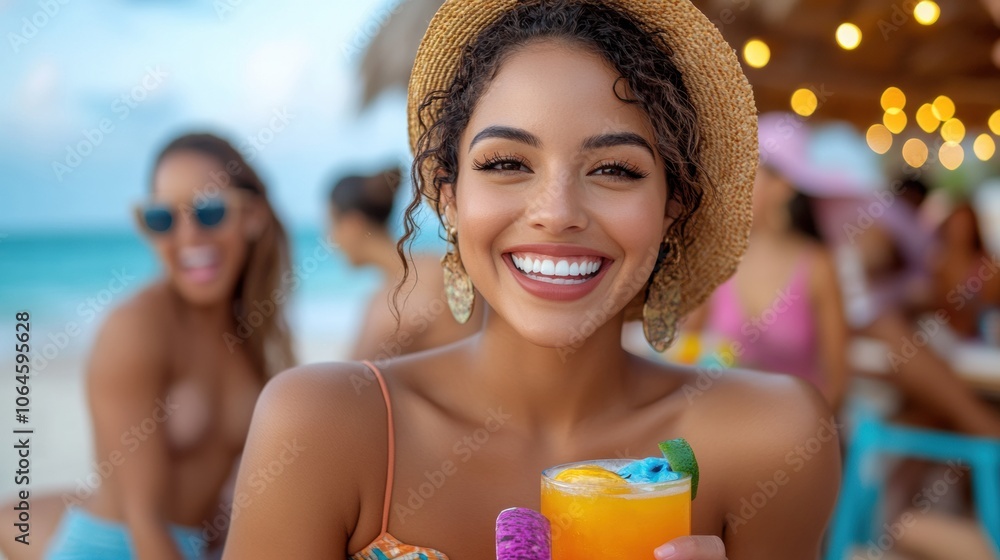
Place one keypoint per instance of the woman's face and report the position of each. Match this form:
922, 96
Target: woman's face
203, 263
771, 195
348, 231
560, 177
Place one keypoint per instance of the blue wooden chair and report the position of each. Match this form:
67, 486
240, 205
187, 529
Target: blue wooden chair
862, 489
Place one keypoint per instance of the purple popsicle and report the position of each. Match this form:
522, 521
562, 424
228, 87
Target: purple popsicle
523, 534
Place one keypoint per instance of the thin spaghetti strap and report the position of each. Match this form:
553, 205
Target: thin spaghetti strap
391, 467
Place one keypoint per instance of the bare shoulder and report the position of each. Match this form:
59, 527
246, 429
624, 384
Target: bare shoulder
763, 432
323, 428
135, 335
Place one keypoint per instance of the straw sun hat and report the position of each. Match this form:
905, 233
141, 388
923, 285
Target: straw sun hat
722, 97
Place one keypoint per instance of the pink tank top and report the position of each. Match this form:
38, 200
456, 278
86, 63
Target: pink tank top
780, 339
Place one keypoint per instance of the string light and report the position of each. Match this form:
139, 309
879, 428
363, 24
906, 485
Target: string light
915, 152
951, 155
995, 123
895, 122
879, 138
944, 108
953, 131
848, 36
926, 118
756, 53
804, 102
984, 147
893, 100
926, 12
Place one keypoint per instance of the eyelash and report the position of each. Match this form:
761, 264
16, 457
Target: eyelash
629, 170
497, 159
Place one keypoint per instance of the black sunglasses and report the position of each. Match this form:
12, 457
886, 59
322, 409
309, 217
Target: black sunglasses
160, 218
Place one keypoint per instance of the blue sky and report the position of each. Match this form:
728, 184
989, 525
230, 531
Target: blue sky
144, 71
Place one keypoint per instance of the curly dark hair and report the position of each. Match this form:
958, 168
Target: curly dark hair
641, 56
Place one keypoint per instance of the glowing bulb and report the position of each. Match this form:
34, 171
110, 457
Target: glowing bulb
926, 12
756, 53
995, 123
926, 119
893, 100
951, 155
848, 36
953, 131
944, 108
804, 102
895, 122
915, 152
984, 147
879, 138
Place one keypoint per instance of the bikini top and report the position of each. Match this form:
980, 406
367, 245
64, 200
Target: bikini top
385, 546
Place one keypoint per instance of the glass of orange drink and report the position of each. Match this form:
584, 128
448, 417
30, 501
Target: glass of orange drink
595, 513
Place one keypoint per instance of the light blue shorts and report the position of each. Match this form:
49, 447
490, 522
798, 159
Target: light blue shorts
82, 536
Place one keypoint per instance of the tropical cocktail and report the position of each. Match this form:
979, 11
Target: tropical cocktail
618, 508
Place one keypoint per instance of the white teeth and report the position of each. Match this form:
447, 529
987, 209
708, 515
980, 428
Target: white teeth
559, 269
198, 257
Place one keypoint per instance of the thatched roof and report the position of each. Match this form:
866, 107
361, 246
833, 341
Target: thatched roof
953, 57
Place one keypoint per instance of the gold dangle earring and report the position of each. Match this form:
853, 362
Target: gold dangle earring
457, 284
663, 297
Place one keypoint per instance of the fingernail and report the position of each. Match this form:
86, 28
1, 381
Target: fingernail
665, 552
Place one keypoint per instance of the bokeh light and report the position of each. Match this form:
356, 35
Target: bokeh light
944, 108
995, 123
879, 138
915, 152
804, 102
893, 100
951, 155
984, 147
756, 53
926, 118
848, 36
895, 122
953, 131
926, 12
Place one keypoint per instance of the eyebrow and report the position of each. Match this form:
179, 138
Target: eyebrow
618, 139
506, 133
593, 143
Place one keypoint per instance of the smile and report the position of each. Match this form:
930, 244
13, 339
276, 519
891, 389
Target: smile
557, 272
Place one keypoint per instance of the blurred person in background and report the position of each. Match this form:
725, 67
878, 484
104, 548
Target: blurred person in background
880, 249
966, 279
782, 311
360, 208
176, 371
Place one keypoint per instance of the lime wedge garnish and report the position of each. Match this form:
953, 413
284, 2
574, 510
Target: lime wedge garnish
681, 458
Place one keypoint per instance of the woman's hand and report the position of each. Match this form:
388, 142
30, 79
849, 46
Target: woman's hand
693, 548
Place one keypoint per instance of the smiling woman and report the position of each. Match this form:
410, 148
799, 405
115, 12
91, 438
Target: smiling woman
591, 163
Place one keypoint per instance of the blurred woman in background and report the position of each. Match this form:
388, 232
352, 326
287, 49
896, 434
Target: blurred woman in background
176, 371
966, 279
782, 311
360, 207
